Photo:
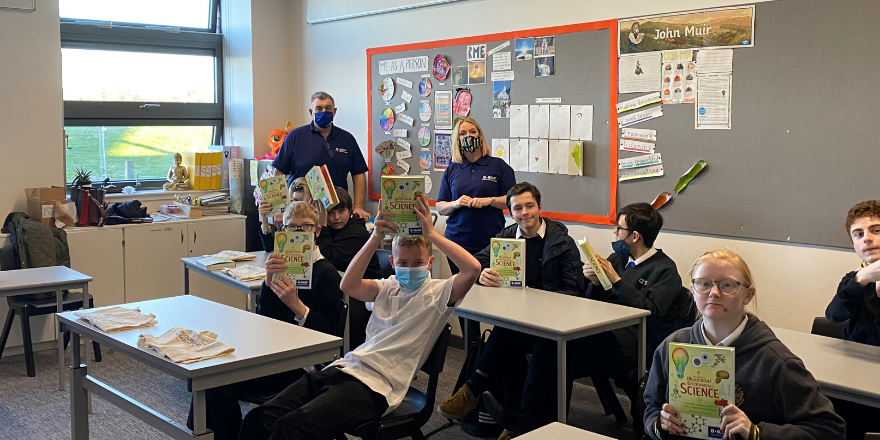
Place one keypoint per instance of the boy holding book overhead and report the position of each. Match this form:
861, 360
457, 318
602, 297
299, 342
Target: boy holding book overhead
410, 311
317, 308
775, 397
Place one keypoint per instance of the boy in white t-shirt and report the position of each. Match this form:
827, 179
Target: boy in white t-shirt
410, 310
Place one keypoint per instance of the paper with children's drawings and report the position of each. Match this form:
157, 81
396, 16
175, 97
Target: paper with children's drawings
636, 146
639, 73
538, 156
539, 121
519, 121
406, 96
638, 161
712, 111
575, 158
639, 134
560, 120
639, 116
641, 173
582, 122
519, 154
639, 102
501, 149
558, 157
712, 61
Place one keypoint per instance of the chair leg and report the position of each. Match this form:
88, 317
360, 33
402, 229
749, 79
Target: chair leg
6, 328
415, 433
28, 344
606, 393
97, 349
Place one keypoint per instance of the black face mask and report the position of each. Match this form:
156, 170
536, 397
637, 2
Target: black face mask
469, 143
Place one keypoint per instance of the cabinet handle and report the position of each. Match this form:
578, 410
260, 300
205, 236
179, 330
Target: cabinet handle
195, 236
181, 237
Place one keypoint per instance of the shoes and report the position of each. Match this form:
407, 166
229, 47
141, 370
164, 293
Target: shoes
515, 423
461, 403
504, 435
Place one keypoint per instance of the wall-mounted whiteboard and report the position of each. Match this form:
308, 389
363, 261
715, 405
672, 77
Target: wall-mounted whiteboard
322, 11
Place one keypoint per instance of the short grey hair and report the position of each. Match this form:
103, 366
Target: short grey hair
321, 96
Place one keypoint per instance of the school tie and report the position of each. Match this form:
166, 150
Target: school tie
631, 264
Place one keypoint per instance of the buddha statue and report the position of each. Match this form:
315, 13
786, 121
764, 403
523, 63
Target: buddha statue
178, 180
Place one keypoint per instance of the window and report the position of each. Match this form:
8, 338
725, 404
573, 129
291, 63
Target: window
135, 94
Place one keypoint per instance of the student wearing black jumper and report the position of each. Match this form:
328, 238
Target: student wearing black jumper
857, 303
553, 263
642, 277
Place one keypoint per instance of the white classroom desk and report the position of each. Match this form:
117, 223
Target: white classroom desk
559, 431
845, 370
250, 288
553, 316
263, 346
43, 280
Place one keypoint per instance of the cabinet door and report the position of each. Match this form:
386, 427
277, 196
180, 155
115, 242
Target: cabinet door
152, 261
98, 253
209, 237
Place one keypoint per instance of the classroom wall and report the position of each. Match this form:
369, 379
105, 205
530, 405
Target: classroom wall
30, 103
795, 282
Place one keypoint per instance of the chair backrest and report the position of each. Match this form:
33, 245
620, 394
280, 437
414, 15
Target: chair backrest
433, 366
824, 327
7, 258
384, 262
343, 318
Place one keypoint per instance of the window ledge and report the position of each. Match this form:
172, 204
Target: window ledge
157, 194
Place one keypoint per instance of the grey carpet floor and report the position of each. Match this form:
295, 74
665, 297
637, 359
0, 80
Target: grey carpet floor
33, 408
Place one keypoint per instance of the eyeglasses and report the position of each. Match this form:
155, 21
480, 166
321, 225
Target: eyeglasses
620, 228
329, 149
727, 287
309, 227
297, 189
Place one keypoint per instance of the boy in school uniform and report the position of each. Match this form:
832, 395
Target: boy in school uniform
553, 263
409, 313
642, 277
857, 303
317, 308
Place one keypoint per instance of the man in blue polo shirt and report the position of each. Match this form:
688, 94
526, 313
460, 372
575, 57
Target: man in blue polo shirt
322, 143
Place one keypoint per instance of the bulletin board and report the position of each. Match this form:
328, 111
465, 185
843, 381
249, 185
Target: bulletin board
585, 73
803, 145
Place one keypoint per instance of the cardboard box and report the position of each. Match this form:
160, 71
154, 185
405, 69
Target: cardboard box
190, 211
40, 202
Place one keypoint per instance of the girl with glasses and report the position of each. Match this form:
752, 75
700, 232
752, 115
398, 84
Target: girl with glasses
776, 397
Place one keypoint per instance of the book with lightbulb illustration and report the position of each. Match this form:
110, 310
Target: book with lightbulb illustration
701, 384
585, 248
321, 186
507, 257
296, 248
399, 194
274, 191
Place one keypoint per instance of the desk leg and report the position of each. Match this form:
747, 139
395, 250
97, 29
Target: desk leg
87, 343
643, 345
185, 280
252, 301
561, 359
200, 426
60, 308
79, 401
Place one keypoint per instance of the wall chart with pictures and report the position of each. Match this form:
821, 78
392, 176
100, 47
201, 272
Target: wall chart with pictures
542, 96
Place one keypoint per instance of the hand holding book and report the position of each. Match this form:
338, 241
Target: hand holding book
669, 421
609, 269
490, 278
288, 294
382, 226
734, 421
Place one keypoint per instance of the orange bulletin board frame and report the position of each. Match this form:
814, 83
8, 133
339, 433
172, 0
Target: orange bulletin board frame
610, 25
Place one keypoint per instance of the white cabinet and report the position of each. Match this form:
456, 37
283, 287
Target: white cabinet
97, 252
152, 260
209, 236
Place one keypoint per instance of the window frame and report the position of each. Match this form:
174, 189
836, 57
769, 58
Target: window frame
212, 22
150, 39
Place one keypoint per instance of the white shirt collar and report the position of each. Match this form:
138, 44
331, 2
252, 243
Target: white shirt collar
316, 255
541, 231
731, 338
650, 253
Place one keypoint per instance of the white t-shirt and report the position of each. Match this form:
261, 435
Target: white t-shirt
400, 334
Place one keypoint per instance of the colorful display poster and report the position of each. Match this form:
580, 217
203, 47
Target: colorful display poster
722, 27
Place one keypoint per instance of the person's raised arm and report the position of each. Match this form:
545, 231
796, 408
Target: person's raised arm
359, 185
353, 283
468, 265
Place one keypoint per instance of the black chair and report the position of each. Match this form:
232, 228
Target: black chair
384, 262
407, 419
824, 327
27, 306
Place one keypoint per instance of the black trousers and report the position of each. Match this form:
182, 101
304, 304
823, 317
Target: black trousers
319, 406
860, 419
504, 347
223, 410
474, 329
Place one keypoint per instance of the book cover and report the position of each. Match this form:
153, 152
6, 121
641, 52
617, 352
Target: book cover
218, 169
296, 249
215, 263
701, 383
197, 172
508, 258
321, 186
585, 248
399, 195
274, 191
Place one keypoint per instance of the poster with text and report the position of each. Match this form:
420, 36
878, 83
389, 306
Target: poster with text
723, 27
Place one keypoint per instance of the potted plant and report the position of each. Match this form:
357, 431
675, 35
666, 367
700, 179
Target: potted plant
82, 179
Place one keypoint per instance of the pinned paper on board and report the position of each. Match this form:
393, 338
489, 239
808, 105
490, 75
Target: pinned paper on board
441, 67
560, 122
501, 149
501, 61
406, 96
575, 158
425, 87
404, 118
399, 132
639, 102
539, 121
425, 111
519, 154
424, 136
538, 155
524, 49
715, 61
712, 111
519, 121
443, 109
639, 134
476, 52
558, 161
642, 173
386, 89
664, 198
459, 75
442, 150
400, 108
425, 162
690, 175
404, 82
636, 146
386, 150
386, 119
477, 72
639, 72
639, 116
428, 184
387, 170
582, 122
638, 161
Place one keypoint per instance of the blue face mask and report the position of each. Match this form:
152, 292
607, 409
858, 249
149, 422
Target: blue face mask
411, 277
323, 119
620, 248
